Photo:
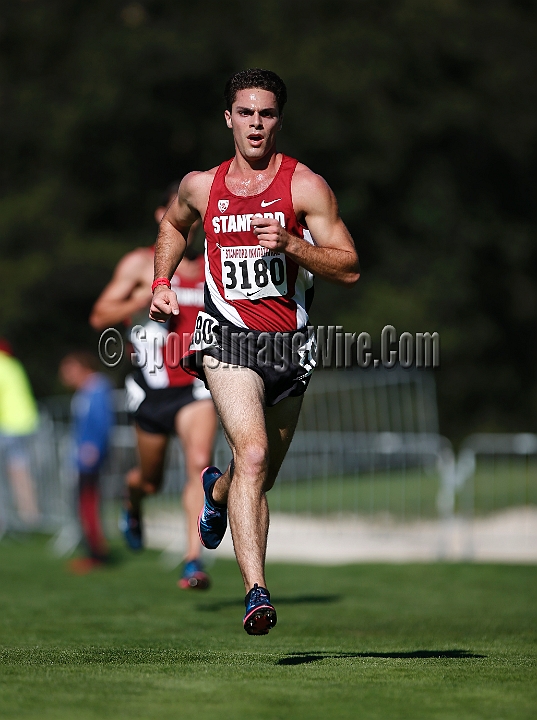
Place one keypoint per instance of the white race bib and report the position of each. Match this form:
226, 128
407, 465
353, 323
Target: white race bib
252, 272
203, 336
134, 395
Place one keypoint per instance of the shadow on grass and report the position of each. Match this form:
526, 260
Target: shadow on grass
301, 658
296, 600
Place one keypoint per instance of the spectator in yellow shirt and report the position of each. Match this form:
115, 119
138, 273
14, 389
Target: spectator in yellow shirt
18, 421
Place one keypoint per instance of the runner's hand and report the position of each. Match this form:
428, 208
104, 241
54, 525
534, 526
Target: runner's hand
164, 304
270, 233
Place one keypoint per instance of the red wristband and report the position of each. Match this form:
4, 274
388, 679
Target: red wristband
160, 281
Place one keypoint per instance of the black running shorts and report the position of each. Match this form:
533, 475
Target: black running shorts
283, 360
154, 409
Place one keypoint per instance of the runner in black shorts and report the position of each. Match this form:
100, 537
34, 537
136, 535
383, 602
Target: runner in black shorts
156, 413
162, 397
284, 361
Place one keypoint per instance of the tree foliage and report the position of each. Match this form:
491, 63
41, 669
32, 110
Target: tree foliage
421, 114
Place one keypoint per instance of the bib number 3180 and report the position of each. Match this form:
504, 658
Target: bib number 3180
252, 272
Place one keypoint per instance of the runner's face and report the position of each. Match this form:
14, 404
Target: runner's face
255, 120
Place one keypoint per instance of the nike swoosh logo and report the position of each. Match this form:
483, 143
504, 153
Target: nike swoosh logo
249, 294
264, 203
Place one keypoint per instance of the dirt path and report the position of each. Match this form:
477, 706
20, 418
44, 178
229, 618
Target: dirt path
508, 536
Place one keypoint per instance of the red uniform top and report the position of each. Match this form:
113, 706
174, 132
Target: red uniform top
248, 285
161, 347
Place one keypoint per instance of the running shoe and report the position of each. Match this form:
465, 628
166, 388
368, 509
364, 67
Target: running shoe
212, 521
131, 527
194, 576
260, 616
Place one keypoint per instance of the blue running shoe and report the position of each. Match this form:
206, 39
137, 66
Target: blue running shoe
260, 616
212, 521
131, 527
194, 577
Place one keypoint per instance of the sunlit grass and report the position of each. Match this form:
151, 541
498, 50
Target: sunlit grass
369, 641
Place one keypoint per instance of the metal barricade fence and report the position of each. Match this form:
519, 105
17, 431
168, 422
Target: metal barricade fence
366, 444
30, 497
366, 465
489, 497
366, 449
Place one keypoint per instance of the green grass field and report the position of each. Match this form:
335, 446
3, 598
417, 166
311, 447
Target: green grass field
366, 641
404, 495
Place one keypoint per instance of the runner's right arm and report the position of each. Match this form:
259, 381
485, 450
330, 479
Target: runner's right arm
171, 243
128, 292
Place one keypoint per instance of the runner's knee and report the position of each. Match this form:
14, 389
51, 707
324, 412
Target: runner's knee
136, 481
134, 478
198, 458
252, 459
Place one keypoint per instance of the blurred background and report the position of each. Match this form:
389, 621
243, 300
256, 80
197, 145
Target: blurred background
421, 114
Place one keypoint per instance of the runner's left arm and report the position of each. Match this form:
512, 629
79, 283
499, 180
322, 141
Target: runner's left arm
333, 256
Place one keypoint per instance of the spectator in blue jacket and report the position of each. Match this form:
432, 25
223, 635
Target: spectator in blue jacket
92, 416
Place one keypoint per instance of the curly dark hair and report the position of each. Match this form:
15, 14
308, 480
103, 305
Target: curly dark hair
256, 78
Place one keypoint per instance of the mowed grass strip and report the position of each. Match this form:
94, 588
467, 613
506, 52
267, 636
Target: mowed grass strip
403, 494
412, 493
364, 641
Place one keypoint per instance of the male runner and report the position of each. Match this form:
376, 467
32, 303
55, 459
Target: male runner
161, 395
258, 210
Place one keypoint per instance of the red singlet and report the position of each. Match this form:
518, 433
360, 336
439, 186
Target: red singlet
161, 347
248, 285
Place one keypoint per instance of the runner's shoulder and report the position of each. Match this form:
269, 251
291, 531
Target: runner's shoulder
308, 187
135, 262
197, 181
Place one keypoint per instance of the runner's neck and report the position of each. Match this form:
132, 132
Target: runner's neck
243, 178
